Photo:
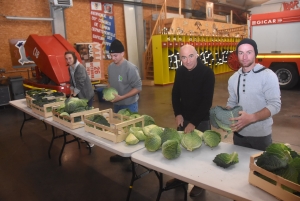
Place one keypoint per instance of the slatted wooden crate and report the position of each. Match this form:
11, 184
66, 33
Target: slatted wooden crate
28, 101
70, 121
274, 189
119, 125
46, 110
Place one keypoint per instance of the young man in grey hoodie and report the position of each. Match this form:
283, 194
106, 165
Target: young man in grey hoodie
256, 89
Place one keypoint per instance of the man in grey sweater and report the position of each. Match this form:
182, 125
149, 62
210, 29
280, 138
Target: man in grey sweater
256, 89
125, 78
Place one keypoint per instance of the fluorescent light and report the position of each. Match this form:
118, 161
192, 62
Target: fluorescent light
28, 18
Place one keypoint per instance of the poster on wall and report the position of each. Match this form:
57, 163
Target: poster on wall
103, 25
19, 57
91, 56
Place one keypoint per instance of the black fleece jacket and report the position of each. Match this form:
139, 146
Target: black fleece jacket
192, 93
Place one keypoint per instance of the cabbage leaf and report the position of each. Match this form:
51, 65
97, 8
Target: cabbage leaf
225, 160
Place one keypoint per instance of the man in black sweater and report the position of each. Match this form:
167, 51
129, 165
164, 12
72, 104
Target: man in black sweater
192, 96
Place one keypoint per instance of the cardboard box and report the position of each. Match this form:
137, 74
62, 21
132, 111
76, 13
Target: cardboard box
273, 189
119, 125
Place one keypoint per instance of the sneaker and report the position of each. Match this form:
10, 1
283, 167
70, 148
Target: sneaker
90, 145
175, 183
116, 158
196, 191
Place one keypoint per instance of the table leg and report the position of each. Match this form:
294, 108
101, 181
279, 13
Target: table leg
162, 189
64, 135
135, 176
132, 180
53, 137
24, 120
67, 142
63, 147
89, 147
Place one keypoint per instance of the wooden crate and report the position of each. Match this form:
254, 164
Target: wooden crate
68, 121
119, 125
273, 189
42, 111
28, 101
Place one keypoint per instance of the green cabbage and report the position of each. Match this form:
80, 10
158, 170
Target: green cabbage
147, 129
134, 116
125, 112
148, 120
225, 160
171, 149
131, 139
282, 161
156, 130
219, 117
138, 133
199, 133
170, 134
211, 138
99, 119
152, 142
72, 104
191, 141
108, 93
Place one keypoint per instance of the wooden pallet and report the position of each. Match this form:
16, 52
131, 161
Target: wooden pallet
273, 189
68, 121
119, 125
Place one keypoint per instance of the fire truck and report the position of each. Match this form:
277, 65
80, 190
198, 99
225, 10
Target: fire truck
277, 36
278, 41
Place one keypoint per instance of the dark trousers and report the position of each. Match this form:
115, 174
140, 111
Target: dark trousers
203, 126
90, 102
260, 143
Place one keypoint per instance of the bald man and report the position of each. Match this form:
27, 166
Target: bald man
192, 96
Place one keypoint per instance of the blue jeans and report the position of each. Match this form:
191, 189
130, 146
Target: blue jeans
134, 107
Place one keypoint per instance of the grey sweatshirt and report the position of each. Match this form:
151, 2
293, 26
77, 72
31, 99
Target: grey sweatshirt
124, 78
257, 90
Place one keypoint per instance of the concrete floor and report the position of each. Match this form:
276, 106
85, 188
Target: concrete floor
26, 172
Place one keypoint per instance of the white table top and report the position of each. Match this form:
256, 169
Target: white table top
121, 148
198, 168
22, 105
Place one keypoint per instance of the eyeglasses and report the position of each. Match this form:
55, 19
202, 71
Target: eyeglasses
184, 58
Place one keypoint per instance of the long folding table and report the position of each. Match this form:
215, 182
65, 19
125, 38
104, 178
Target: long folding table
121, 148
198, 168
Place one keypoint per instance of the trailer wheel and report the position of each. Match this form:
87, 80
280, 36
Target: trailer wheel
287, 75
